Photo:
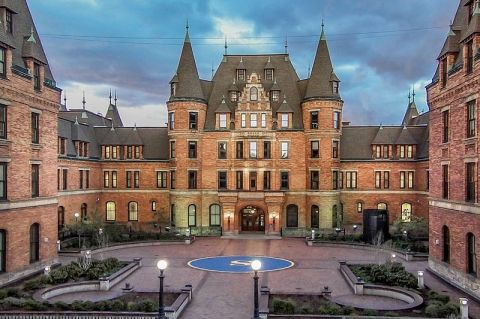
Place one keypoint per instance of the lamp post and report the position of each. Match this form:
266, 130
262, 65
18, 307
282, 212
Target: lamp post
421, 280
274, 220
313, 234
256, 266
77, 215
228, 220
161, 265
355, 227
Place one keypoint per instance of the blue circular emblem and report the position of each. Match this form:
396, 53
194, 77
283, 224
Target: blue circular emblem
239, 264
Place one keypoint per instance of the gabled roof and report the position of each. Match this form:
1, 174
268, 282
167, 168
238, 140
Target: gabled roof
114, 115
130, 136
284, 107
386, 135
405, 138
410, 114
223, 107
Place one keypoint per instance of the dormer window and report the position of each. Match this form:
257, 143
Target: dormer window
284, 120
253, 94
36, 76
275, 96
3, 68
233, 96
173, 89
9, 21
223, 121
469, 46
241, 74
335, 87
269, 74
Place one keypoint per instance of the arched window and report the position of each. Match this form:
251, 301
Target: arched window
406, 212
215, 215
61, 218
446, 244
172, 215
382, 206
292, 216
133, 211
471, 255
334, 216
359, 207
314, 218
111, 211
83, 211
3, 251
253, 94
192, 216
34, 243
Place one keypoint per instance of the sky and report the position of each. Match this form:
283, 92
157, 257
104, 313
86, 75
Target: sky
379, 48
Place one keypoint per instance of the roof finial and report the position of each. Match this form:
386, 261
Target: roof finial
187, 36
309, 69
477, 8
226, 45
213, 70
322, 36
115, 99
413, 94
31, 38
110, 97
409, 97
451, 33
65, 98
135, 126
187, 26
76, 120
286, 43
83, 101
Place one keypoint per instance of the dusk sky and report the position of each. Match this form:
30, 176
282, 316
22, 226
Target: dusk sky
379, 48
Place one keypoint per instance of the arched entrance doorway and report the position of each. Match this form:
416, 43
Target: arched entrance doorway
252, 219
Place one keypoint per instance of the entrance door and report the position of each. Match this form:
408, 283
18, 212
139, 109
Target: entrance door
253, 219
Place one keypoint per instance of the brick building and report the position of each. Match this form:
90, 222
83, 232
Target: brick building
454, 149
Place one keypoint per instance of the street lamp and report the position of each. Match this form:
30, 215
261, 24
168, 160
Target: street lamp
77, 215
355, 227
256, 266
161, 265
313, 234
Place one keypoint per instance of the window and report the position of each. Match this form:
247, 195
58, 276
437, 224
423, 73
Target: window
314, 216
284, 149
244, 120
471, 118
3, 251
335, 87
471, 255
359, 207
215, 215
386, 154
336, 120
133, 211
335, 216
253, 149
193, 120
3, 181
192, 179
284, 120
161, 179
137, 152
3, 122
386, 180
351, 180
107, 152
136, 179
173, 176
275, 94
378, 151
223, 120
239, 150
253, 94
445, 120
469, 56
382, 206
233, 96
402, 151
269, 74
335, 149
253, 181
410, 151
81, 179
314, 149
36, 76
61, 218
314, 180
445, 180
83, 211
292, 216
172, 215
470, 195
267, 146
87, 179
61, 146
264, 120
106, 180
35, 180
172, 149
34, 243
239, 180
266, 180
154, 206
3, 64
222, 150
192, 216
378, 180
171, 120
427, 182
110, 212
114, 179
402, 179
314, 120
241, 74
35, 128
444, 68
340, 180
192, 149
114, 152
406, 212
129, 179
335, 179
446, 244
253, 120
284, 180
222, 180
173, 89
406, 180
9, 21
65, 178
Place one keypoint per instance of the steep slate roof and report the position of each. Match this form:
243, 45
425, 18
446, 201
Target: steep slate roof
386, 135
410, 114
405, 137
112, 113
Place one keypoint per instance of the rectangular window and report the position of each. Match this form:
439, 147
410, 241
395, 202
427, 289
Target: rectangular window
81, 179
284, 120
244, 120
9, 21
3, 64
239, 150
314, 180
386, 180
137, 152
193, 120
411, 179
340, 180
284, 149
161, 179
192, 179
192, 149
269, 74
114, 179
172, 149
445, 120
3, 122
171, 120
241, 75
471, 118
253, 149
129, 179
378, 151
469, 56
351, 180
223, 120
266, 180
58, 178
253, 120
129, 152
335, 149
275, 95
335, 179
136, 179
470, 195
35, 128
264, 120
87, 179
410, 151
284, 181
314, 120
402, 179
233, 96
386, 154
106, 179
114, 152
239, 180
107, 152
36, 76
336, 120
378, 180
444, 67
267, 149
402, 151
3, 181
173, 178
314, 149
35, 180
222, 150
253, 181
428, 180
222, 180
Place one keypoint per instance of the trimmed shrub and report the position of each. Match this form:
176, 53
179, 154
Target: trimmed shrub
370, 312
118, 305
60, 305
34, 305
33, 285
147, 306
283, 307
330, 309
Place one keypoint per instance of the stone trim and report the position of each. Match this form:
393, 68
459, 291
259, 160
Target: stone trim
5, 102
471, 160
5, 160
35, 162
471, 98
374, 192
451, 205
445, 108
34, 110
29, 203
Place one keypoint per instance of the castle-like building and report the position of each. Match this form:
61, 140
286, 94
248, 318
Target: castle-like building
255, 149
